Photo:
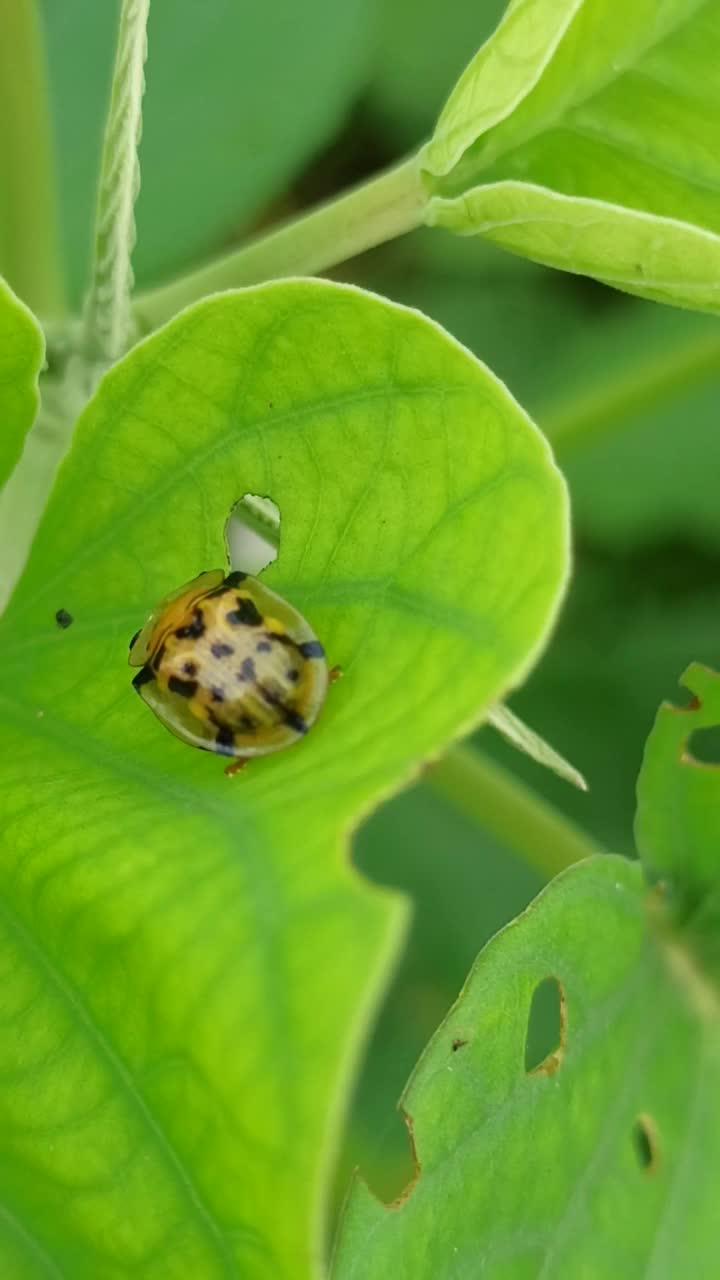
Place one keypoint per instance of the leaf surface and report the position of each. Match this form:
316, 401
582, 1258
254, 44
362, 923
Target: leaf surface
189, 960
600, 1160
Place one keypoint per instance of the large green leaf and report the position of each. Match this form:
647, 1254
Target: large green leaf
188, 961
238, 98
585, 135
602, 1159
22, 352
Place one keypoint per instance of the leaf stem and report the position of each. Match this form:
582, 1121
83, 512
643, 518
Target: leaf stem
29, 256
490, 796
387, 206
604, 409
107, 328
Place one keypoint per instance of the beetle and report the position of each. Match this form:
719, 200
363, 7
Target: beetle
229, 666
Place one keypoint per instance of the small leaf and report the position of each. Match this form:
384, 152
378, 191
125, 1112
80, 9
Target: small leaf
601, 1158
188, 961
677, 826
22, 353
525, 739
585, 135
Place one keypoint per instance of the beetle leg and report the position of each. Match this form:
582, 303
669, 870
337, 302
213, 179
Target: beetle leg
235, 766
334, 674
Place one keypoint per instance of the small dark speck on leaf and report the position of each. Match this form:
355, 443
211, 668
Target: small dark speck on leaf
270, 404
64, 619
458, 1044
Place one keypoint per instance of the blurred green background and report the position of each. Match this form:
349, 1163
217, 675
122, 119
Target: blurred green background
276, 107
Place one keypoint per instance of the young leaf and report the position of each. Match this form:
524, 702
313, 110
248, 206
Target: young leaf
22, 352
189, 962
593, 1154
584, 134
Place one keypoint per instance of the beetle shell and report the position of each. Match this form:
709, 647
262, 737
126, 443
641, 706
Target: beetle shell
231, 667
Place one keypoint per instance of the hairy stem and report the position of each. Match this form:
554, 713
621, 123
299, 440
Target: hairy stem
28, 215
490, 796
379, 210
108, 329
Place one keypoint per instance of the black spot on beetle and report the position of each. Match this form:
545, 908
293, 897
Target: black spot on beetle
247, 670
263, 646
295, 721
271, 696
144, 675
190, 668
64, 619
225, 741
158, 657
137, 633
281, 637
293, 675
232, 580
194, 629
216, 693
247, 724
221, 650
312, 649
245, 615
185, 688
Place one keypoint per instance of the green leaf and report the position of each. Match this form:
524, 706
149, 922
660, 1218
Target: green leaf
599, 1159
678, 818
189, 962
585, 135
22, 353
239, 97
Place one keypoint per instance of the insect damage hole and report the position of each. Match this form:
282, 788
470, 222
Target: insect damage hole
704, 746
545, 1039
253, 533
645, 1142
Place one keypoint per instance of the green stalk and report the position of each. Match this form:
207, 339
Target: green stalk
490, 796
368, 215
107, 329
29, 256
604, 409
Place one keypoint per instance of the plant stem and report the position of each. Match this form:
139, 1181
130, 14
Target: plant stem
490, 796
605, 409
28, 224
107, 329
379, 210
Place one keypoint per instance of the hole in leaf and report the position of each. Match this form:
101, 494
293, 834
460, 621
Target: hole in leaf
253, 533
704, 746
545, 1041
644, 1136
